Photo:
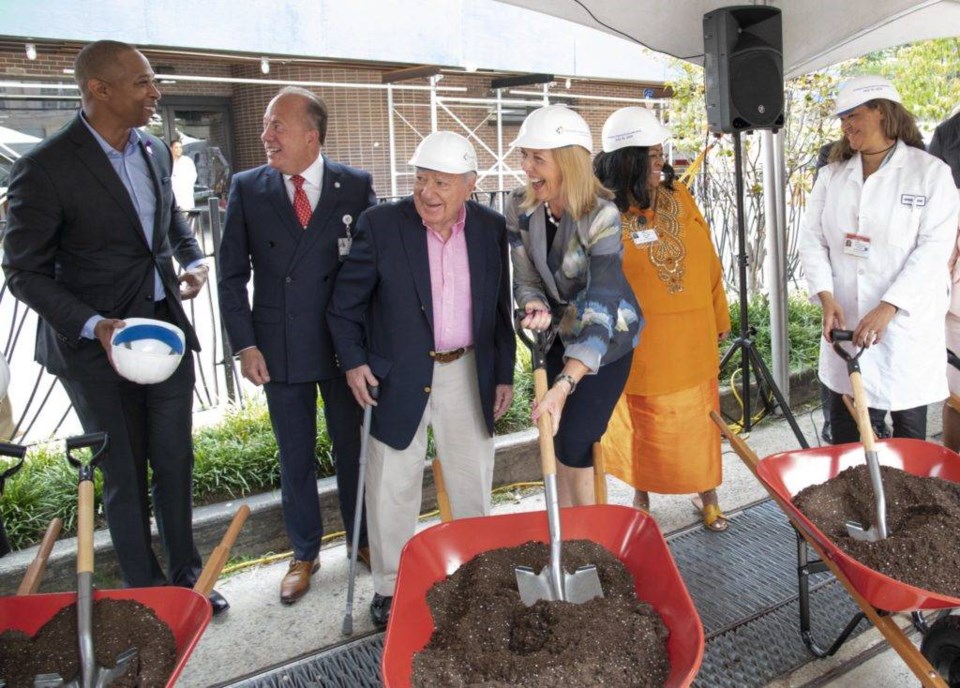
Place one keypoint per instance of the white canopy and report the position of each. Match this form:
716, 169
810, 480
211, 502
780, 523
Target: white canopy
816, 33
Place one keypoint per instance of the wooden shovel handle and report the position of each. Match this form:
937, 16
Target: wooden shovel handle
34, 574
862, 413
599, 475
443, 499
220, 554
548, 459
85, 527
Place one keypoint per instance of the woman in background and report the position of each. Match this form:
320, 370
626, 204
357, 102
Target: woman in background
670, 262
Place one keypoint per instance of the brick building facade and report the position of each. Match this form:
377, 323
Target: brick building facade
358, 133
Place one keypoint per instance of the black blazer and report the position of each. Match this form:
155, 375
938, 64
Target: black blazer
293, 268
74, 246
383, 293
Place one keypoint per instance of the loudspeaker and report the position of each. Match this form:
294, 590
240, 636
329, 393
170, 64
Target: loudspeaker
743, 68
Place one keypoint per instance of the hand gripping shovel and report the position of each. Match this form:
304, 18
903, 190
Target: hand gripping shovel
553, 582
878, 531
91, 675
347, 628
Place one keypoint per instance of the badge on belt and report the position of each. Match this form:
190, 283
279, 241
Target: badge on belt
856, 245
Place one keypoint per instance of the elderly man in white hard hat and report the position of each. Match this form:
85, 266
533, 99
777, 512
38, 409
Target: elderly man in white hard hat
879, 228
421, 310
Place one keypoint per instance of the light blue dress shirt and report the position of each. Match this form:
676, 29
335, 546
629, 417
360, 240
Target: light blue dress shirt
133, 170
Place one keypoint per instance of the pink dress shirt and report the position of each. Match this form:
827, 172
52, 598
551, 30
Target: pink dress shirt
450, 287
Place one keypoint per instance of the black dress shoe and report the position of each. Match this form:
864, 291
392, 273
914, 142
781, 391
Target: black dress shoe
380, 609
218, 602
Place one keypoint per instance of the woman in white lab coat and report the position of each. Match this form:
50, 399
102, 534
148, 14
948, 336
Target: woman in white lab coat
877, 237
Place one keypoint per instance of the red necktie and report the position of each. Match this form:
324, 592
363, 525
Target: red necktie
301, 204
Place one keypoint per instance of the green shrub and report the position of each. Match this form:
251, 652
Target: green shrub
803, 330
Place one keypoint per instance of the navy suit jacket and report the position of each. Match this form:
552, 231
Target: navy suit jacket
293, 268
381, 313
75, 247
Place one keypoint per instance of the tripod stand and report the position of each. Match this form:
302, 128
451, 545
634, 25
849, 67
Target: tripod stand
744, 342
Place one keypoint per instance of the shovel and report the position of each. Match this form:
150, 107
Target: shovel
18, 452
91, 675
34, 573
878, 531
553, 582
347, 628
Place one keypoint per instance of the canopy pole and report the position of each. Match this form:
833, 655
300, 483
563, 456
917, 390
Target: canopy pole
775, 266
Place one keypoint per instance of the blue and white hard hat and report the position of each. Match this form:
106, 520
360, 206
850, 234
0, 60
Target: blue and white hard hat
147, 351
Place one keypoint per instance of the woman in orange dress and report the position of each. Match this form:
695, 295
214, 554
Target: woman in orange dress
672, 446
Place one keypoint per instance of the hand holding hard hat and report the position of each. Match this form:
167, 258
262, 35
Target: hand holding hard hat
144, 350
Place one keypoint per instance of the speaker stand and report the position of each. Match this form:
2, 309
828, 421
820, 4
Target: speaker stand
744, 343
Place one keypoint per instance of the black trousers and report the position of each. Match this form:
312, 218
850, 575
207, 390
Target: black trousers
909, 423
148, 425
293, 414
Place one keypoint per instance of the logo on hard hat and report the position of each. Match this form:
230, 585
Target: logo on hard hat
559, 130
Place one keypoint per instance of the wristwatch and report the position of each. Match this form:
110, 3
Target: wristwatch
568, 379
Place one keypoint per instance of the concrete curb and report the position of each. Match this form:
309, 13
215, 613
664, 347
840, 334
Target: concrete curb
517, 461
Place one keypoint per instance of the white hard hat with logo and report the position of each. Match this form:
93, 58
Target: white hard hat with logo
632, 126
554, 126
862, 89
445, 151
147, 351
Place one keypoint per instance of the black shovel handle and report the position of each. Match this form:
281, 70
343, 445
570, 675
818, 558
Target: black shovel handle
953, 359
98, 440
539, 344
16, 451
838, 336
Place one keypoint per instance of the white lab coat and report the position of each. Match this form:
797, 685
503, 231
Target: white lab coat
909, 209
183, 177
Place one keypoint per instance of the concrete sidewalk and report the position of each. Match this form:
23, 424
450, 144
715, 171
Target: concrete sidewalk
259, 632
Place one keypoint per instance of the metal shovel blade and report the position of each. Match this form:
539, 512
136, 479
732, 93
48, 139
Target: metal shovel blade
577, 587
102, 677
858, 532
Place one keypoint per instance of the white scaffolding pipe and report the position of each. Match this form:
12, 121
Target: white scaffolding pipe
393, 141
500, 145
433, 103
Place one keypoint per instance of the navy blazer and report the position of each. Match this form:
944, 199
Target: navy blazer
293, 268
75, 247
381, 313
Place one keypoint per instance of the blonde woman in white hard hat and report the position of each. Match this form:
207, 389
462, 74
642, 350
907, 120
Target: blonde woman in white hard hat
879, 229
671, 446
565, 244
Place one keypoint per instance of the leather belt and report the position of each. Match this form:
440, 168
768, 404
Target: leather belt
449, 356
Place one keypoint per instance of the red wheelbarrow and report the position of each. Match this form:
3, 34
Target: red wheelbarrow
185, 611
631, 535
786, 474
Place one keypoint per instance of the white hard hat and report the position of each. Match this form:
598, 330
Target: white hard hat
554, 126
4, 377
860, 89
444, 151
147, 351
632, 126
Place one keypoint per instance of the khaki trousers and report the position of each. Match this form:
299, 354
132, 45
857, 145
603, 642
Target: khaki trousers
394, 478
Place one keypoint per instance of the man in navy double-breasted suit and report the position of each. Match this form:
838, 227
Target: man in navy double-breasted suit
422, 310
291, 221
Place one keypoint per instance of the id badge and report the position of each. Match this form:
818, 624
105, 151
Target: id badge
343, 247
642, 237
856, 245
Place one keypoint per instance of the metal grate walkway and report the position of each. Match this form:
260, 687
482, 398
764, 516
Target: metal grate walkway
743, 582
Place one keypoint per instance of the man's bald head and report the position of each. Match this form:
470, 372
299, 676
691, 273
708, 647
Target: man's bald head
98, 61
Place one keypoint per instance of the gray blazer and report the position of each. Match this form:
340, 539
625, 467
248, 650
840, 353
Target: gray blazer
600, 319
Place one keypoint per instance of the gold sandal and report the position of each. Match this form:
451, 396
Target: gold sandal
713, 517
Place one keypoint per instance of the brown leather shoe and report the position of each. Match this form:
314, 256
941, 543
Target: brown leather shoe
363, 556
296, 582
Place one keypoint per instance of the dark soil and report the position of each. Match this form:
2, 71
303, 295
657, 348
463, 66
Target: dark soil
923, 519
485, 636
117, 626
